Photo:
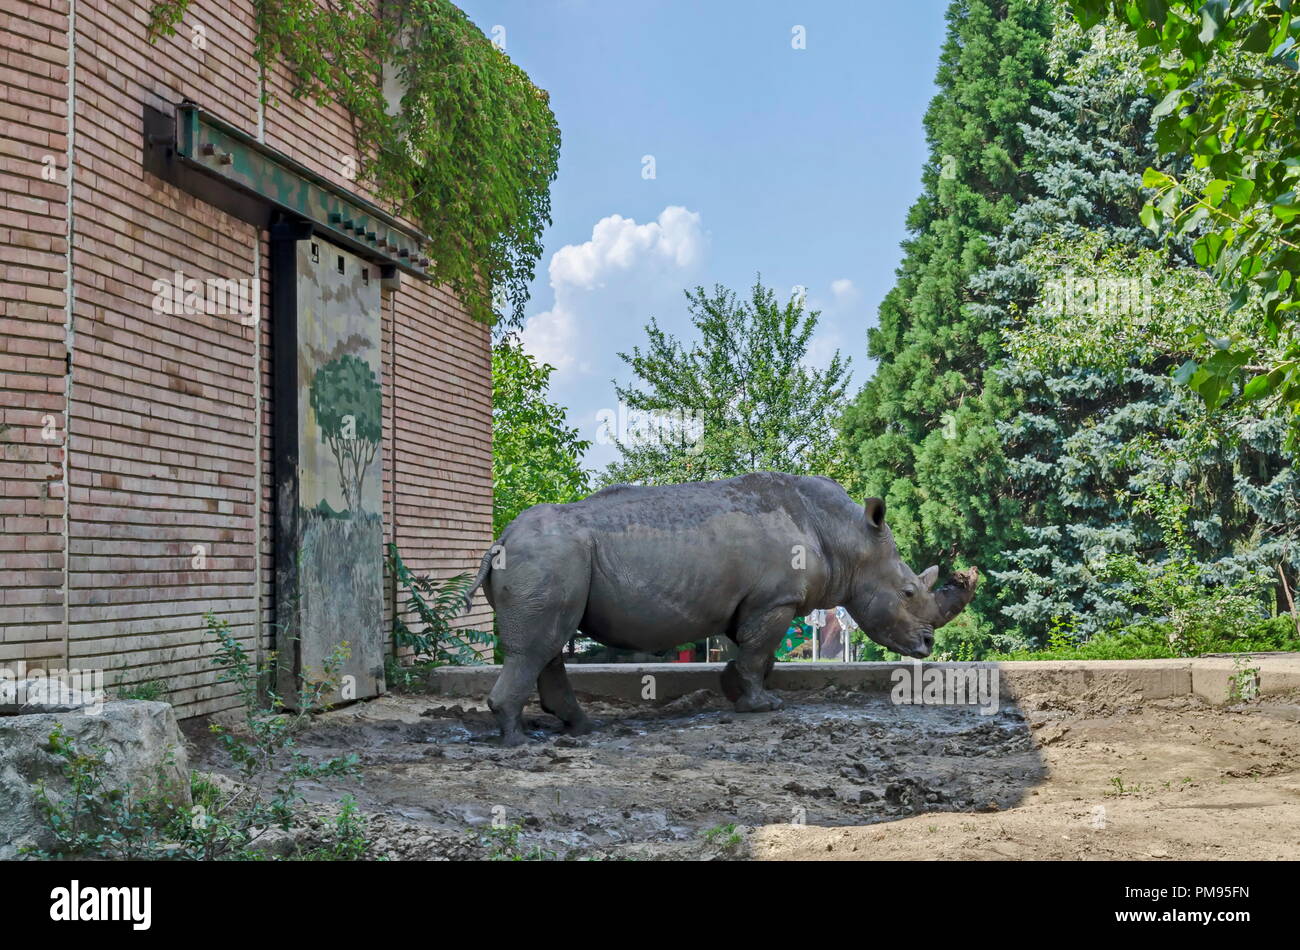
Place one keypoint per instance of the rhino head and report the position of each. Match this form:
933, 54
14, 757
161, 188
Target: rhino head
895, 606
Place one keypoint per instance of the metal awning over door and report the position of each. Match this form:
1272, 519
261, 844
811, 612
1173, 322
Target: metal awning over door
228, 168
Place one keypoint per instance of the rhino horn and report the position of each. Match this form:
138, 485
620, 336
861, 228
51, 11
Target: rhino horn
952, 598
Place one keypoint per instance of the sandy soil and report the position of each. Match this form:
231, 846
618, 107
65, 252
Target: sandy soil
834, 775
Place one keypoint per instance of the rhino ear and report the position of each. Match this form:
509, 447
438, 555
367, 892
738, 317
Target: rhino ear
929, 576
875, 508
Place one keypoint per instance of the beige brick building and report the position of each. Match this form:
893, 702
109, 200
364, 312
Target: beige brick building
129, 440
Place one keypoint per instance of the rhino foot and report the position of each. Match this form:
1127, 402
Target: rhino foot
582, 727
761, 701
732, 685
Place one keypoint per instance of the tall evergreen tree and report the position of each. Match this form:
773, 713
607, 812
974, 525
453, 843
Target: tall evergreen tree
1092, 433
922, 432
1091, 143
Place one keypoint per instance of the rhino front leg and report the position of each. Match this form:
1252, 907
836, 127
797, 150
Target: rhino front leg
557, 698
731, 678
758, 636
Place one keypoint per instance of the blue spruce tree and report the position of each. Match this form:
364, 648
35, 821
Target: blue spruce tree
1085, 441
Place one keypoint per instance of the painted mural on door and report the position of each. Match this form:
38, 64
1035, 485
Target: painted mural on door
339, 563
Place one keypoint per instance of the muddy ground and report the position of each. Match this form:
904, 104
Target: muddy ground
835, 774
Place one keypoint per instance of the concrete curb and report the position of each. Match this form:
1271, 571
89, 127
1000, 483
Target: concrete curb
1213, 677
1210, 678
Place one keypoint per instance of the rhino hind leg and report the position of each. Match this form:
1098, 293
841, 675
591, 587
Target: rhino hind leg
758, 635
539, 603
528, 652
513, 687
557, 698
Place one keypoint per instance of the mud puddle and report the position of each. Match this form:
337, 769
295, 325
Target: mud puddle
686, 780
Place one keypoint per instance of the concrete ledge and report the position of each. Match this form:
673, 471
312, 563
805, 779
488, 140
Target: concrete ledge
622, 681
1221, 679
1208, 677
1146, 679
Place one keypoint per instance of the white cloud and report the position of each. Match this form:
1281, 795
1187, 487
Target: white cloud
619, 245
822, 348
622, 264
844, 291
840, 319
549, 337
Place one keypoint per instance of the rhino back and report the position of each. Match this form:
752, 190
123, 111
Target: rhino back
674, 563
801, 497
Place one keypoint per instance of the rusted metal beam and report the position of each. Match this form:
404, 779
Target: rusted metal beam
226, 167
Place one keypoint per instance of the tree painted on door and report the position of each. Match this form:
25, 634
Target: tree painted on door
348, 403
336, 575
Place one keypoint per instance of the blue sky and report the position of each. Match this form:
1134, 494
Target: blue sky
796, 163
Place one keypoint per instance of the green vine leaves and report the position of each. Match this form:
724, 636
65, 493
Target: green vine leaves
469, 152
1227, 77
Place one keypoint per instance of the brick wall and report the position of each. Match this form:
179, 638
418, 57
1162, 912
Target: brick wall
441, 449
33, 299
168, 510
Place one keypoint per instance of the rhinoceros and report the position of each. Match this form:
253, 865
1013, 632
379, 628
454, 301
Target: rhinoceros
647, 567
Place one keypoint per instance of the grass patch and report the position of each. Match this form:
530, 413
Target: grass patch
1153, 642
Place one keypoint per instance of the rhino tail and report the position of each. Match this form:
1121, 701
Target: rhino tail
484, 569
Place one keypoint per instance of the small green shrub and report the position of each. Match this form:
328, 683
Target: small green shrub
1243, 684
1176, 610
149, 690
504, 845
435, 604
965, 637
725, 837
348, 838
1152, 641
95, 820
406, 677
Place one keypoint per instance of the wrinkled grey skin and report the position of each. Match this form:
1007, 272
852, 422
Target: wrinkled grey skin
648, 567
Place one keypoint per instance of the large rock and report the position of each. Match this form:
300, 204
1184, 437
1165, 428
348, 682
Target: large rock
139, 741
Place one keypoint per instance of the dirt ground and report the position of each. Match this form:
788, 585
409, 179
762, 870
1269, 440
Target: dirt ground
834, 775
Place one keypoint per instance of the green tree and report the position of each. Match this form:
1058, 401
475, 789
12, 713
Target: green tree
739, 399
348, 404
1118, 430
536, 457
1097, 309
1228, 80
1089, 144
923, 430
1103, 309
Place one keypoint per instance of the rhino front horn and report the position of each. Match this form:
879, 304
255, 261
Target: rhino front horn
952, 598
967, 578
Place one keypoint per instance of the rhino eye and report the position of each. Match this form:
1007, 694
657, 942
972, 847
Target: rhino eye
909, 591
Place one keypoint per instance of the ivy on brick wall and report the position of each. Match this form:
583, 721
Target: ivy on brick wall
470, 154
